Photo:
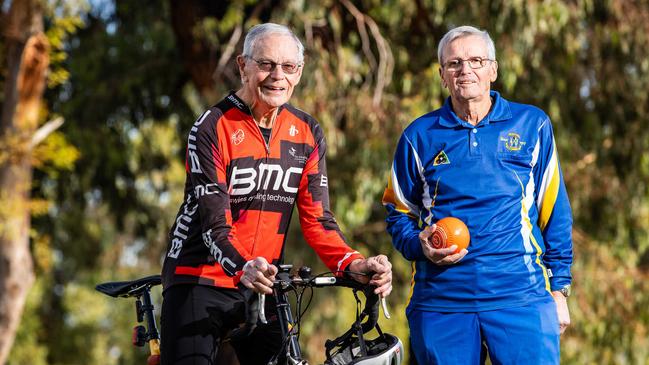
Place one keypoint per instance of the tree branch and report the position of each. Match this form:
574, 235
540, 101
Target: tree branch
362, 32
227, 52
386, 61
45, 130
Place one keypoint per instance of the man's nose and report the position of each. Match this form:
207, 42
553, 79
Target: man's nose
277, 72
465, 67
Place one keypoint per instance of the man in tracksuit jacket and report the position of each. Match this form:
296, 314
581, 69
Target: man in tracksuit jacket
493, 164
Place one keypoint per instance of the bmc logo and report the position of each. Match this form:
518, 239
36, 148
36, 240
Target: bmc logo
227, 264
245, 180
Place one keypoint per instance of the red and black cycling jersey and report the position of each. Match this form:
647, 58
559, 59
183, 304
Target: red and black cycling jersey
240, 192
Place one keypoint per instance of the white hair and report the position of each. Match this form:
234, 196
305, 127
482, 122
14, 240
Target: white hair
465, 31
259, 31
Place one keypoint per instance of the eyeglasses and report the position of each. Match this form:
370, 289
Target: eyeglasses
474, 63
268, 66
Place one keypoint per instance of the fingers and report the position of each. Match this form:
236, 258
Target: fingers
256, 286
451, 258
442, 256
382, 277
383, 283
426, 233
563, 313
381, 270
272, 271
379, 264
563, 324
258, 275
562, 328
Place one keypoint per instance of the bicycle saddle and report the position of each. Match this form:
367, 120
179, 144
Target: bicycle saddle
125, 289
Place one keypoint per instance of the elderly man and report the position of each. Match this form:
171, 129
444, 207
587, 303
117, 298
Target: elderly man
493, 164
250, 159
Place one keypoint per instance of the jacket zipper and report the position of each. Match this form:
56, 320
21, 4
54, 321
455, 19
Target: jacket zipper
263, 202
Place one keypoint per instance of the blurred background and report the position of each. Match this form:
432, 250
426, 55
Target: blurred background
98, 97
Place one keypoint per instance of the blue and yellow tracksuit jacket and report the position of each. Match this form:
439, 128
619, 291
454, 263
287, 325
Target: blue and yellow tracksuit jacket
502, 178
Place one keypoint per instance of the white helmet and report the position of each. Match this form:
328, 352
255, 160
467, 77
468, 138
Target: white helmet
383, 350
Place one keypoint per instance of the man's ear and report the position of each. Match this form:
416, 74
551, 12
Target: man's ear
441, 76
494, 71
241, 65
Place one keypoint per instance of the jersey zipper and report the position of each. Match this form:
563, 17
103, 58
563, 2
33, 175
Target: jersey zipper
267, 147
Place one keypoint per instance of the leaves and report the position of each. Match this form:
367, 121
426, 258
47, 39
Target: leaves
129, 82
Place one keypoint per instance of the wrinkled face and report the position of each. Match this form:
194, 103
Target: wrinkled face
465, 83
269, 89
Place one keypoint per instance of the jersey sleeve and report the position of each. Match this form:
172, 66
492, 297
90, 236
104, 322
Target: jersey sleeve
402, 199
208, 179
555, 216
319, 226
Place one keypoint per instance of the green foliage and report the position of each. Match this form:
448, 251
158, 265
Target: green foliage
54, 154
114, 176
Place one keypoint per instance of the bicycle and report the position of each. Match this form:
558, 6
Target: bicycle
349, 348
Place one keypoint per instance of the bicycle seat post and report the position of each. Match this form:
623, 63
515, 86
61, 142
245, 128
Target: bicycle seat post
152, 336
147, 310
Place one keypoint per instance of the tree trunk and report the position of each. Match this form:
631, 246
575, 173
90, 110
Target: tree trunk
27, 61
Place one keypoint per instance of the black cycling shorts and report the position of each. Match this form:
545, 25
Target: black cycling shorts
196, 319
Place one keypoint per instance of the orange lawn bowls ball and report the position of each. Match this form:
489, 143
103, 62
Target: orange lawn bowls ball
450, 231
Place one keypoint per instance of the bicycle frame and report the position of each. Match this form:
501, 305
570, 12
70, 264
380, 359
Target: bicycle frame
140, 290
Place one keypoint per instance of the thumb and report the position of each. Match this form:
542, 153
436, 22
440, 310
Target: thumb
427, 232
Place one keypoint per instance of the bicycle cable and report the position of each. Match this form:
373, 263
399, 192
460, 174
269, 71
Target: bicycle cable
295, 330
300, 312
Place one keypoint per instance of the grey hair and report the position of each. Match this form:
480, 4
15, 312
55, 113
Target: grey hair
465, 31
259, 31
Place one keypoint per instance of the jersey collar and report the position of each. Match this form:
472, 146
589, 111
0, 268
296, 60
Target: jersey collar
499, 112
235, 101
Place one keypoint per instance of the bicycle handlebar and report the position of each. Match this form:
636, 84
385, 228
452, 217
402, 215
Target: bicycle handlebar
284, 282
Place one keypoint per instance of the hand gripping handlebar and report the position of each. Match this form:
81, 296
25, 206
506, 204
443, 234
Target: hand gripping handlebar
284, 282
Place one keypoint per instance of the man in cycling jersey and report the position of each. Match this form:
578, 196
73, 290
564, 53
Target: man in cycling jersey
250, 159
493, 164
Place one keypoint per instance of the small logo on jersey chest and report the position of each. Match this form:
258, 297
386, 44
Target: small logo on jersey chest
513, 141
293, 152
441, 159
293, 131
238, 136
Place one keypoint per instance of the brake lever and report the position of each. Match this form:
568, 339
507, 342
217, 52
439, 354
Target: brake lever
262, 308
384, 307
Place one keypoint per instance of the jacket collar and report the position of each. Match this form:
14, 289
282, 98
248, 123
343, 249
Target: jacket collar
235, 101
499, 112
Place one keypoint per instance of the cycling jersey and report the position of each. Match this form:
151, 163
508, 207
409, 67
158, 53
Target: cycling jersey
502, 178
240, 192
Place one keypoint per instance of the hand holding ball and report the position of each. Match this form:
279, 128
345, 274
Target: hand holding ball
450, 231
